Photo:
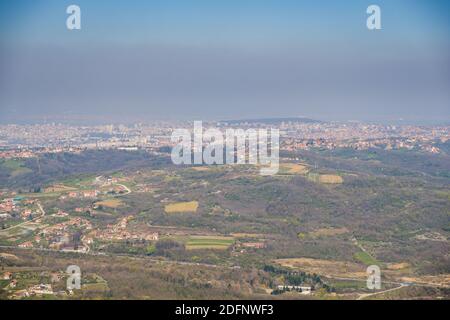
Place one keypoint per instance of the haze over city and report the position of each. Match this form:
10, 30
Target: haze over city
224, 60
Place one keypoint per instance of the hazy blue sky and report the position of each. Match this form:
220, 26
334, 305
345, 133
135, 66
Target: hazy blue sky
205, 59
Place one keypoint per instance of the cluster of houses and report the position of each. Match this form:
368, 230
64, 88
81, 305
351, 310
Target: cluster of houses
36, 290
14, 154
12, 204
7, 205
241, 247
60, 214
106, 180
81, 194
40, 289
12, 282
293, 144
58, 235
92, 194
60, 228
302, 289
119, 231
255, 245
26, 245
13, 207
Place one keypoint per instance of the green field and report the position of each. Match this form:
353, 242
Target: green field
209, 242
348, 284
365, 258
16, 167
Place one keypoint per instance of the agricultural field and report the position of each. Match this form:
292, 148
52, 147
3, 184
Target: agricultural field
182, 207
365, 258
293, 169
330, 178
209, 242
110, 203
325, 178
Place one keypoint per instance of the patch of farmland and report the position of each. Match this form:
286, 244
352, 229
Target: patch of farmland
182, 207
110, 203
293, 168
325, 178
330, 178
209, 242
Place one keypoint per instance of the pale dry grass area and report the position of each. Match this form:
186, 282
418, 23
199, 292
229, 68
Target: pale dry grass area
182, 207
110, 203
330, 179
293, 168
200, 169
398, 266
8, 256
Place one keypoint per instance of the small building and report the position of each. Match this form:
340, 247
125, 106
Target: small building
7, 276
90, 194
256, 245
41, 289
305, 290
13, 284
27, 244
